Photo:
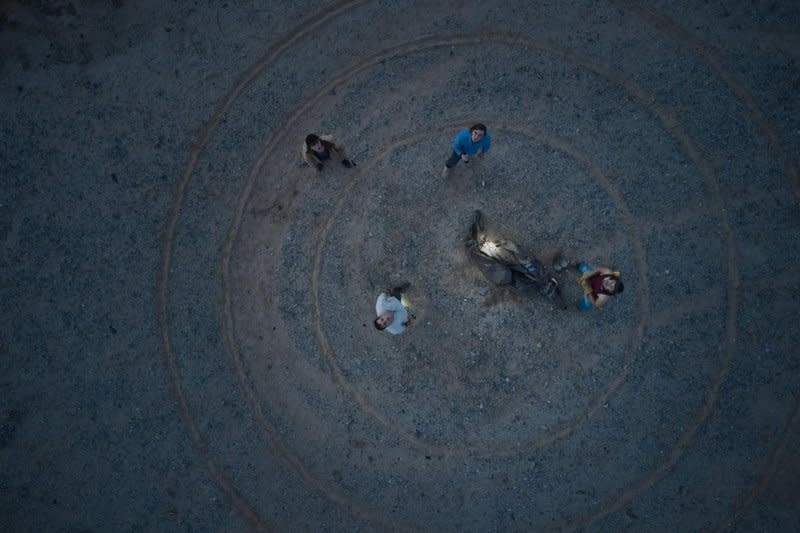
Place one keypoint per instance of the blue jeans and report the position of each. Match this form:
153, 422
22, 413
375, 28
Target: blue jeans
585, 303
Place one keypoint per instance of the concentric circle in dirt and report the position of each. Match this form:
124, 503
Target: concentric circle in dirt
487, 358
486, 382
415, 186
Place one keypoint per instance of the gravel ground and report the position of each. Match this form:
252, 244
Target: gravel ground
187, 307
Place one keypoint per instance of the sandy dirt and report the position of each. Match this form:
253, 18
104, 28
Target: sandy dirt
187, 307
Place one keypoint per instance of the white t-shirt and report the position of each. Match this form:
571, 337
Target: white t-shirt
390, 303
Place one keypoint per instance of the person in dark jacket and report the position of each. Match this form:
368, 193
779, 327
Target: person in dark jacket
318, 149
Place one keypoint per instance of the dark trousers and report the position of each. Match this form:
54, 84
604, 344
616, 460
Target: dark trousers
400, 289
453, 161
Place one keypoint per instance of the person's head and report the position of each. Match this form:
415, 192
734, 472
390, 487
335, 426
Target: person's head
613, 285
477, 131
384, 320
314, 143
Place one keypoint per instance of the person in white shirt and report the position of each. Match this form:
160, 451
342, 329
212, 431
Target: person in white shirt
392, 315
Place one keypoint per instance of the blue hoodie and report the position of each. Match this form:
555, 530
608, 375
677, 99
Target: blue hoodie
464, 143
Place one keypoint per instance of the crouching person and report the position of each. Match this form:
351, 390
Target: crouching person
599, 285
317, 149
392, 314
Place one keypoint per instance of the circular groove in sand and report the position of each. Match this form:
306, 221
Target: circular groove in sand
559, 431
648, 101
197, 439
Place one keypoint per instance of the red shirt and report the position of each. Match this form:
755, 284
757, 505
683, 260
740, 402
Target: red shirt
596, 281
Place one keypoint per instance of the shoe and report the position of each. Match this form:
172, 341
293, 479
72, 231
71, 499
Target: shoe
347, 163
559, 262
445, 172
532, 267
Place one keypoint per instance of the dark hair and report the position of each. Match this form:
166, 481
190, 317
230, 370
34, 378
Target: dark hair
311, 139
619, 287
378, 326
478, 126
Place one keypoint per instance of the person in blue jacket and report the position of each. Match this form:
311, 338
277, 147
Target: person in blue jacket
469, 142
